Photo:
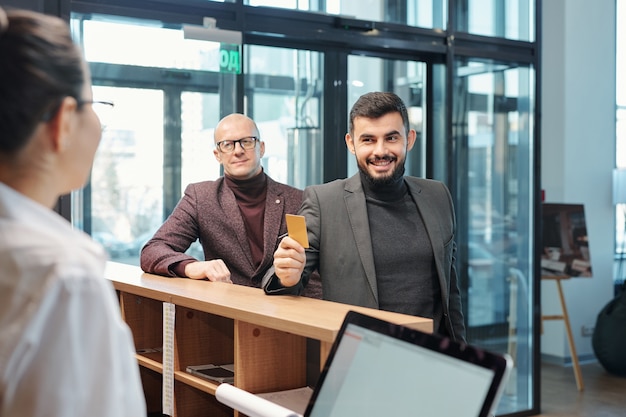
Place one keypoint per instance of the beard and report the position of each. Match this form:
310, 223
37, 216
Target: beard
382, 181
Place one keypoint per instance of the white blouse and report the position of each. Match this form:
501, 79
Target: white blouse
64, 348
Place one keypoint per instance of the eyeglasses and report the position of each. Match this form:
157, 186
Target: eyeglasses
108, 104
228, 146
103, 109
99, 107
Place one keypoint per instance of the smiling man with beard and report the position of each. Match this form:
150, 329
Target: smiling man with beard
379, 239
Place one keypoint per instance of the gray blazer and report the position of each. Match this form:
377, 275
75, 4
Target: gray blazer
341, 248
209, 212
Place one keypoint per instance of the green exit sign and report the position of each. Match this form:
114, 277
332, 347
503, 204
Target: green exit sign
230, 58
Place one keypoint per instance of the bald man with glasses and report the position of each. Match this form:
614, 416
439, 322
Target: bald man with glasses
237, 218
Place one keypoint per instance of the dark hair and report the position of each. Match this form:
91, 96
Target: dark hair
377, 104
39, 66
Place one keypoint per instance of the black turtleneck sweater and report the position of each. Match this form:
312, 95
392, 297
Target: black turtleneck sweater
250, 195
403, 256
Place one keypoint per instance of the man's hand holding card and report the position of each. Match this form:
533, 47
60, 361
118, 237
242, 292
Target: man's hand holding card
289, 260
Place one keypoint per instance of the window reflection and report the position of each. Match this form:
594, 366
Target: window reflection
116, 41
199, 116
511, 19
158, 139
494, 133
421, 13
284, 89
126, 183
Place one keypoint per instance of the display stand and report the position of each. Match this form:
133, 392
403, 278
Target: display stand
565, 317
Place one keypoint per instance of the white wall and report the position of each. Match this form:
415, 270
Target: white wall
578, 153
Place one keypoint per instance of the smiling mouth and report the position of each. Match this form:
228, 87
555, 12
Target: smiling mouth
381, 162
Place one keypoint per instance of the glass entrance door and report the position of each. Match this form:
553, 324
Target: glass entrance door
284, 95
495, 212
158, 138
473, 118
126, 185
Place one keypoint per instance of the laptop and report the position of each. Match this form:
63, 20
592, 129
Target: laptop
376, 368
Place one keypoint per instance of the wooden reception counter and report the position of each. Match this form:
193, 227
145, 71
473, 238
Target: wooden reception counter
180, 322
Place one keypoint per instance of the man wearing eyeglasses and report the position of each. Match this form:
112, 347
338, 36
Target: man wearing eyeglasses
238, 218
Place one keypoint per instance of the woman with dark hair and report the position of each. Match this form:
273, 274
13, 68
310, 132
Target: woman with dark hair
64, 349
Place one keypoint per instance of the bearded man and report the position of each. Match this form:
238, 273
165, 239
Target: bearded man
379, 239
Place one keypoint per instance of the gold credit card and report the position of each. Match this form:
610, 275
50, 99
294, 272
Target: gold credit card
296, 229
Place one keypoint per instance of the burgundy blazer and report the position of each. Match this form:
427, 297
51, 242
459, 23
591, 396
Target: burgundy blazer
209, 212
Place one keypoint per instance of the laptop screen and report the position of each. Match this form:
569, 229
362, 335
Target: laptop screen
376, 368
